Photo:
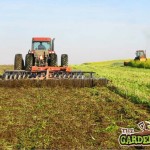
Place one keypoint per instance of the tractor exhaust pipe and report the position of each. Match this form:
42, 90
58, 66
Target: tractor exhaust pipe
53, 44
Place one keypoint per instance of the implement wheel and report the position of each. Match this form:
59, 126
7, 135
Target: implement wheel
52, 60
64, 60
29, 62
19, 63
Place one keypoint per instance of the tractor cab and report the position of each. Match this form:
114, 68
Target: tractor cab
41, 50
140, 55
41, 44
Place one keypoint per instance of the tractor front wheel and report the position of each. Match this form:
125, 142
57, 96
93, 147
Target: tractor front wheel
64, 60
19, 63
52, 60
29, 62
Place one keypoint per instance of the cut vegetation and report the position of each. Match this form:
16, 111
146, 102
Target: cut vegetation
139, 64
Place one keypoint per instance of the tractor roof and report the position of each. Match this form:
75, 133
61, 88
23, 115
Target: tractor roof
140, 51
41, 39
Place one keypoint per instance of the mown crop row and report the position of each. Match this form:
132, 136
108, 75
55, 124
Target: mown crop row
139, 64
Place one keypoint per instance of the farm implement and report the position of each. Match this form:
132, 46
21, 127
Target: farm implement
41, 64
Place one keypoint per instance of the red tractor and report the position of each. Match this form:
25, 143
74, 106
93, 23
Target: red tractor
140, 55
41, 62
41, 55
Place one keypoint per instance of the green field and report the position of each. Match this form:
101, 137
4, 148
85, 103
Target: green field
131, 83
75, 118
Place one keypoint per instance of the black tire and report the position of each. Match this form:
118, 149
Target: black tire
52, 60
29, 62
64, 60
137, 58
18, 63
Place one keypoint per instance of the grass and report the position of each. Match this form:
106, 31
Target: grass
5, 67
132, 83
75, 118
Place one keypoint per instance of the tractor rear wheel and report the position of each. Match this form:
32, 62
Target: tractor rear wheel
29, 62
19, 63
64, 60
52, 59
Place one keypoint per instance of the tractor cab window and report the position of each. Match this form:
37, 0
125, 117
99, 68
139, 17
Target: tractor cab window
139, 53
41, 45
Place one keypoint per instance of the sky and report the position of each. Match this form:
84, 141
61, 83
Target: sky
86, 30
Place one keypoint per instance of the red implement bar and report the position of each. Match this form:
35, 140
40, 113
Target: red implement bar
41, 39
